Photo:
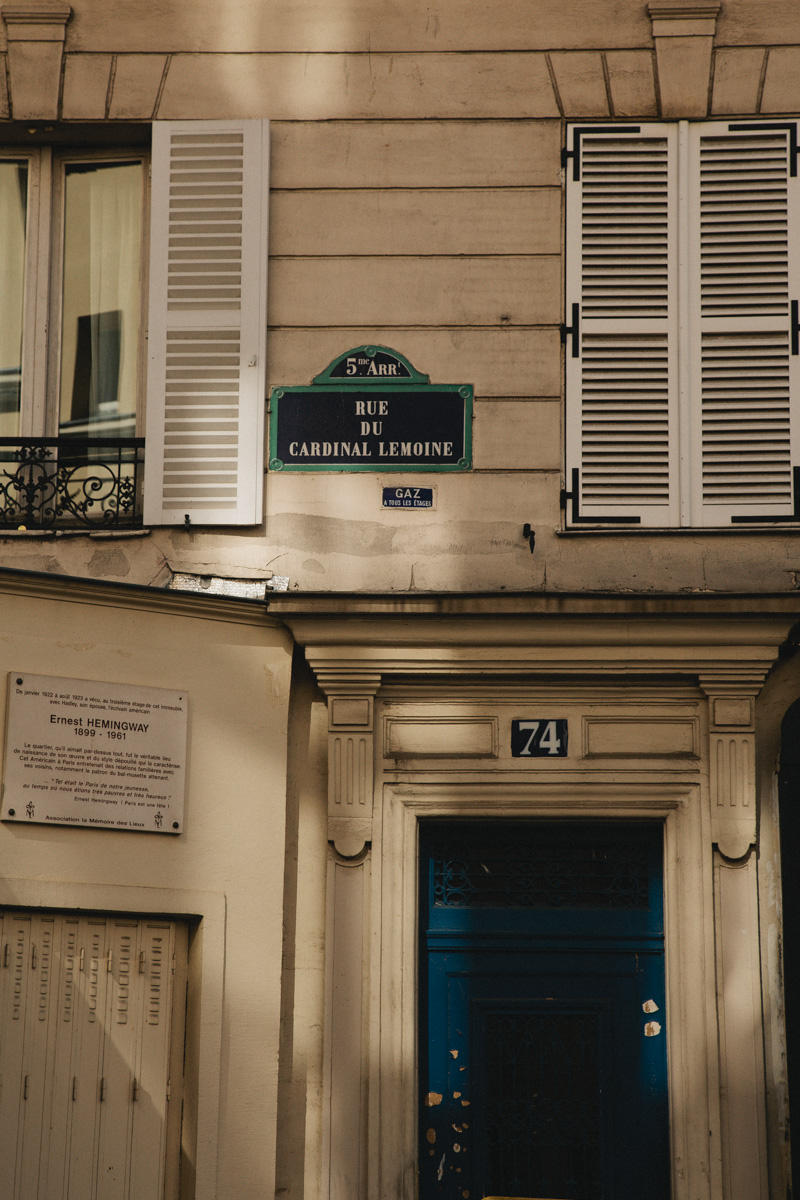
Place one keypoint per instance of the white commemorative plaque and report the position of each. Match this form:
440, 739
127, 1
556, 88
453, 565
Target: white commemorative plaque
106, 755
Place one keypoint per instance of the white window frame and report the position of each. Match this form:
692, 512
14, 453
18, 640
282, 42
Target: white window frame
43, 296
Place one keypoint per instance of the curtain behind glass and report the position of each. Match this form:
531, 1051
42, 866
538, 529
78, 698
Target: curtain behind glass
101, 316
13, 212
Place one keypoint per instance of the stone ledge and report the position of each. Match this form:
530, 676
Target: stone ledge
53, 534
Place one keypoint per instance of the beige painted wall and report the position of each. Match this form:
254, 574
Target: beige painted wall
228, 864
417, 203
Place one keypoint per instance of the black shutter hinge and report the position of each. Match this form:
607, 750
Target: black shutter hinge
794, 324
790, 126
577, 131
573, 331
794, 515
575, 517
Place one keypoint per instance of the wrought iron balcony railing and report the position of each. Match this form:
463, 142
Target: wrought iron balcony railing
71, 482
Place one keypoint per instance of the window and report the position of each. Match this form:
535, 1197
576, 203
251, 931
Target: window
87, 360
74, 228
682, 326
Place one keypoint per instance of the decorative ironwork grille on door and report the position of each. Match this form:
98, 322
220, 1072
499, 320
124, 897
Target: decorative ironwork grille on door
548, 867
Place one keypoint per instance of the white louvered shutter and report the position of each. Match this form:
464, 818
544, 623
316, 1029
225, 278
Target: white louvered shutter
204, 454
621, 346
744, 275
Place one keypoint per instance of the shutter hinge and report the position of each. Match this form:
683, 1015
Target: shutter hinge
169, 1090
575, 517
141, 962
795, 327
25, 1087
103, 1088
573, 331
34, 958
6, 953
74, 1087
81, 958
791, 126
135, 1090
794, 515
575, 152
109, 960
172, 964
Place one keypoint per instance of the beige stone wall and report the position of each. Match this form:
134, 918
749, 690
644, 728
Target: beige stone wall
417, 202
225, 868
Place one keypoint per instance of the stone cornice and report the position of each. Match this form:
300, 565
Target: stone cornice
36, 21
729, 642
737, 663
132, 596
676, 19
487, 605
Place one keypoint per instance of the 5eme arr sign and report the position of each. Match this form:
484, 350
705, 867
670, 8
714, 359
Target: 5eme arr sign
370, 410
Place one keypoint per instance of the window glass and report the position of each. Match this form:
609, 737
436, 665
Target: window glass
101, 301
13, 219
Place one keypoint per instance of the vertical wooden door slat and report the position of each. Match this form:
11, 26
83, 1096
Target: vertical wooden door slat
16, 983
87, 1066
59, 1105
119, 1049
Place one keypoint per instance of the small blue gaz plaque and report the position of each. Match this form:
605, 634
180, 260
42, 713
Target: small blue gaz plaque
407, 497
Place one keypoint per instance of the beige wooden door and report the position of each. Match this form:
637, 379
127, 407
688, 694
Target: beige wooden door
91, 1038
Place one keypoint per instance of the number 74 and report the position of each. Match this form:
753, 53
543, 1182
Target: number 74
548, 739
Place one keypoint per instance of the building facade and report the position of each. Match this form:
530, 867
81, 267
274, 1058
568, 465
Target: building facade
410, 393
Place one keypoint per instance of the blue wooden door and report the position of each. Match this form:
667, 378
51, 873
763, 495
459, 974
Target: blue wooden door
542, 1047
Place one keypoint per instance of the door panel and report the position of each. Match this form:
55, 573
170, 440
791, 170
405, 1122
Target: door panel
91, 1011
543, 1062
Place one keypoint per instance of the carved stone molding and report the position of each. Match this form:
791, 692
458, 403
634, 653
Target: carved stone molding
35, 30
731, 760
351, 733
673, 18
684, 38
356, 643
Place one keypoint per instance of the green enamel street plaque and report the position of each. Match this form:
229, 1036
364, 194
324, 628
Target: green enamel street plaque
370, 410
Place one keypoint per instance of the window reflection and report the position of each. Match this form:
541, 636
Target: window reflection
13, 214
101, 314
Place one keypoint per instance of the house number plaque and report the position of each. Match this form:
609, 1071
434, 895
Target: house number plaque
541, 737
